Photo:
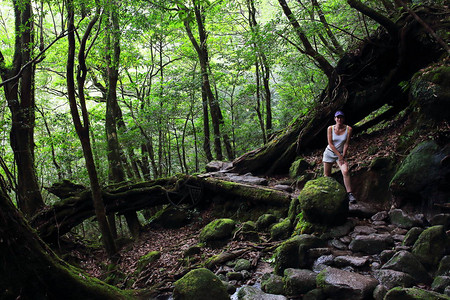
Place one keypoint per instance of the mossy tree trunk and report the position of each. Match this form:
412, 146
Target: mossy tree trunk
30, 270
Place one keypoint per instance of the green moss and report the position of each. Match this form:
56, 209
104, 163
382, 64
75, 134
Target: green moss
281, 230
302, 225
320, 279
200, 284
217, 230
399, 293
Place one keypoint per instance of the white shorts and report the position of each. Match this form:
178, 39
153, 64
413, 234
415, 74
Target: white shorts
329, 156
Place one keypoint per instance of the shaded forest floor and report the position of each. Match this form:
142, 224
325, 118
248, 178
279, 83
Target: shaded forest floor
172, 243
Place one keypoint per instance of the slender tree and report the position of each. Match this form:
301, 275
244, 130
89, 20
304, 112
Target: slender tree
82, 123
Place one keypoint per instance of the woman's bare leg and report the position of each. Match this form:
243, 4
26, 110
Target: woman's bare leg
327, 169
346, 175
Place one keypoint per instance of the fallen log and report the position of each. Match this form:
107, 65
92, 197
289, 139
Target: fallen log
76, 205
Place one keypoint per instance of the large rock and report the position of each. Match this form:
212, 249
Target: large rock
253, 293
200, 284
219, 229
371, 244
340, 284
422, 175
406, 262
298, 281
412, 236
430, 246
399, 293
323, 201
293, 252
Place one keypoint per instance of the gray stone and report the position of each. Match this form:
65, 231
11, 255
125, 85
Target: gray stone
322, 262
215, 166
317, 252
411, 236
315, 294
430, 246
338, 244
392, 278
440, 283
441, 219
398, 237
364, 230
340, 284
298, 281
380, 216
272, 284
404, 261
341, 230
386, 255
283, 187
253, 293
371, 244
354, 261
247, 179
379, 292
401, 219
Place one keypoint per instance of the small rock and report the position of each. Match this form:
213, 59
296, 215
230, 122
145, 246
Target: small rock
282, 230
247, 179
298, 281
413, 294
322, 262
264, 221
253, 293
357, 262
441, 219
317, 252
440, 283
340, 284
380, 216
282, 187
404, 261
338, 244
391, 278
398, 237
272, 284
235, 276
371, 244
444, 267
430, 246
242, 264
366, 230
401, 219
379, 292
411, 236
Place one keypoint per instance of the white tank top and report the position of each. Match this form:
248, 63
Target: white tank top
339, 140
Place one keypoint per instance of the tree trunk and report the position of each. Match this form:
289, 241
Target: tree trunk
19, 93
30, 270
82, 129
116, 171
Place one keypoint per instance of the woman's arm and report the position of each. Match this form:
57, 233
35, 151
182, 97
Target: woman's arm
347, 142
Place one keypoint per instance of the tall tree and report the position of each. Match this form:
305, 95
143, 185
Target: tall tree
116, 170
18, 83
201, 47
82, 123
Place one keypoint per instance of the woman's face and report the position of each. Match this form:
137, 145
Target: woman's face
339, 119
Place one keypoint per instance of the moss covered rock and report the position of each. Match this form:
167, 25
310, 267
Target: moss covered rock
399, 293
298, 167
293, 252
281, 230
430, 246
265, 221
219, 229
421, 174
200, 284
323, 201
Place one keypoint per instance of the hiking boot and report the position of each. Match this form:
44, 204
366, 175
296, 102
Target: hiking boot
351, 198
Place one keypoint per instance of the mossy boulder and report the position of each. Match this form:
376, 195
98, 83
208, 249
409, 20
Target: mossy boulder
147, 259
430, 246
399, 293
200, 284
404, 261
323, 201
272, 284
422, 175
430, 91
293, 253
219, 229
265, 221
281, 230
298, 167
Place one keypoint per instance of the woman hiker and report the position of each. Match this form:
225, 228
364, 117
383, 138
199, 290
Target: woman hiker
338, 139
